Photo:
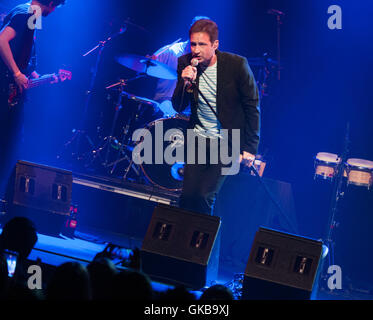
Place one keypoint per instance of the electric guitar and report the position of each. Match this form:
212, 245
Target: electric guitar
13, 92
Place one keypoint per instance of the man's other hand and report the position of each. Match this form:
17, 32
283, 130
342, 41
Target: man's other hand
247, 158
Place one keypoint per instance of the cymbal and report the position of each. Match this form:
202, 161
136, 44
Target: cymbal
141, 100
146, 65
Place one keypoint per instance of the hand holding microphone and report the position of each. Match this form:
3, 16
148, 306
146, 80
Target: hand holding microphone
189, 74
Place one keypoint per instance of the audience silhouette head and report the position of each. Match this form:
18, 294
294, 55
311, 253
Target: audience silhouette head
70, 281
19, 235
217, 292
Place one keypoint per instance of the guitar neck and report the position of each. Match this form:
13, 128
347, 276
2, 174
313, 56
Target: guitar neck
33, 83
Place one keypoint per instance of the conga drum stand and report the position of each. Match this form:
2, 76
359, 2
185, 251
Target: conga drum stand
337, 193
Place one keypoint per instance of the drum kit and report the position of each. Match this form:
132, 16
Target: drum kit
114, 155
358, 172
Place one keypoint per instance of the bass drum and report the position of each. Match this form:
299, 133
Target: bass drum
166, 176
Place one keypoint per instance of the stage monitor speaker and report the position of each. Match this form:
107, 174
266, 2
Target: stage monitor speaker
281, 266
181, 247
42, 187
41, 193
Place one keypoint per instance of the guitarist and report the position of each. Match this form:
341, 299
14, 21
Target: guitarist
17, 64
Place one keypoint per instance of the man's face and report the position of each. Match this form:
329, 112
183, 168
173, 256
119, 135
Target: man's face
202, 48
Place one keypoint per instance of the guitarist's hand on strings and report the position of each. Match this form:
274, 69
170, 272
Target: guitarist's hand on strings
21, 81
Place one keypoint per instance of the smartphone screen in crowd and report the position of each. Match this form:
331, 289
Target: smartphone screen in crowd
11, 261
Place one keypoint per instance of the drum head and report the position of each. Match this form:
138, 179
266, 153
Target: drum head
328, 157
167, 176
360, 163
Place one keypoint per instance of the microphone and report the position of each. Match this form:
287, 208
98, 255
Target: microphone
194, 62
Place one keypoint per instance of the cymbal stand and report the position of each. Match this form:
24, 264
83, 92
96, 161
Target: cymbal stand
111, 140
118, 108
131, 162
279, 14
125, 142
123, 147
78, 133
266, 66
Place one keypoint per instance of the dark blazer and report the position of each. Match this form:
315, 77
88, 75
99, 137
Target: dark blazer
237, 97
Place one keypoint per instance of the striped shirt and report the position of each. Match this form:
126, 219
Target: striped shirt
207, 85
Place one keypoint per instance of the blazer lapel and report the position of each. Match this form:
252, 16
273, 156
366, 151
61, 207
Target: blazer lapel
220, 77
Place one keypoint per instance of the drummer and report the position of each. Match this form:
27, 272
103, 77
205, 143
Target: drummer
169, 55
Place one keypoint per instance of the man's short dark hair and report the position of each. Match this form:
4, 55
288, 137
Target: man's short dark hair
56, 3
207, 26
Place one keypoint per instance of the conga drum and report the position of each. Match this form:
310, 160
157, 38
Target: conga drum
359, 172
326, 165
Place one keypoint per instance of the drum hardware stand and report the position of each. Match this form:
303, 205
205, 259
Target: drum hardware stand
266, 64
111, 140
125, 141
124, 144
278, 15
118, 108
77, 132
131, 165
336, 196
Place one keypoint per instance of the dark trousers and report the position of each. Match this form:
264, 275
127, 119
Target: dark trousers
201, 186
11, 138
202, 182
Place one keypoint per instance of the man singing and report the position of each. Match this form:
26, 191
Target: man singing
223, 94
169, 55
17, 64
